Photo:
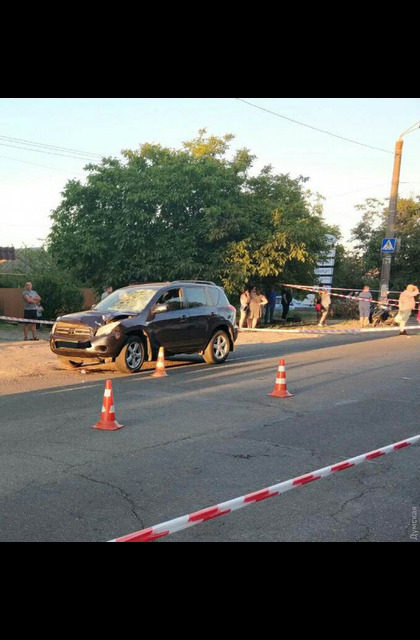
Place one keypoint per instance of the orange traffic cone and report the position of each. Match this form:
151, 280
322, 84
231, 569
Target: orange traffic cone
280, 388
160, 368
108, 421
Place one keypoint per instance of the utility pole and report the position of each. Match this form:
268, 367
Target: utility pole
393, 204
392, 217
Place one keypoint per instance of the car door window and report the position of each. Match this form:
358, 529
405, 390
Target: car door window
174, 299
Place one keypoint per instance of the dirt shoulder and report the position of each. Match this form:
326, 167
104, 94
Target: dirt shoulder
30, 366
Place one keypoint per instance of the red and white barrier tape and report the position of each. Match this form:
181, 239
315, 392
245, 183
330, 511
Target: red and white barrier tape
192, 520
24, 321
303, 331
354, 289
336, 295
339, 295
324, 332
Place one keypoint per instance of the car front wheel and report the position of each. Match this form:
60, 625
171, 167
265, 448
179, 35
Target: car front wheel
132, 356
218, 349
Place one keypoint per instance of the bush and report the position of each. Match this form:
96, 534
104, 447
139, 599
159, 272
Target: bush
58, 297
11, 282
345, 310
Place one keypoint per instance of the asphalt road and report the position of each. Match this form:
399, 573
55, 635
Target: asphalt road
205, 435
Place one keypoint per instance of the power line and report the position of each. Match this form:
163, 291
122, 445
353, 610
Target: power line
44, 166
308, 126
349, 193
49, 153
375, 186
50, 146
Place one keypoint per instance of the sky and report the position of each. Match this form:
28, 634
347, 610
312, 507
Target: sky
346, 174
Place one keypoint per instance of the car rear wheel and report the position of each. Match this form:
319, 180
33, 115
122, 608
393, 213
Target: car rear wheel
132, 356
218, 349
69, 364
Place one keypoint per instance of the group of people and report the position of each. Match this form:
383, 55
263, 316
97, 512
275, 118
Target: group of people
254, 302
406, 306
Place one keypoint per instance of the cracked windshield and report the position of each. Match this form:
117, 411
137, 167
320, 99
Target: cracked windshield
127, 300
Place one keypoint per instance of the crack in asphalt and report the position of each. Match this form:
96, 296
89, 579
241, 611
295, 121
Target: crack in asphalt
121, 492
365, 537
347, 502
276, 445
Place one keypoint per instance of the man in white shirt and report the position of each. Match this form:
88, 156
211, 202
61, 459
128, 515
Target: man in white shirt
107, 292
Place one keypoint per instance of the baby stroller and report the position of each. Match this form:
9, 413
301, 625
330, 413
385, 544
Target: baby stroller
385, 315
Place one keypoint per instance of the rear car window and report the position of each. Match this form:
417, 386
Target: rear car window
198, 297
218, 296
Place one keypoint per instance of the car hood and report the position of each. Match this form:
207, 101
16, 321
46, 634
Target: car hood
95, 319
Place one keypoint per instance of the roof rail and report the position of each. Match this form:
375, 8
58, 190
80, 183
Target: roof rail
146, 284
213, 284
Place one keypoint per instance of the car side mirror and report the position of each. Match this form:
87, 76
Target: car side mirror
160, 308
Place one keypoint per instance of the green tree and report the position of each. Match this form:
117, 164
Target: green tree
193, 213
350, 270
283, 233
371, 230
59, 296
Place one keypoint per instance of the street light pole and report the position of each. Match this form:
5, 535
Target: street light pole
392, 217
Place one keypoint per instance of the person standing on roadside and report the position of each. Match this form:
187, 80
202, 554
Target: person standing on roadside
407, 304
365, 299
286, 301
31, 302
326, 304
271, 296
107, 292
258, 301
318, 305
245, 300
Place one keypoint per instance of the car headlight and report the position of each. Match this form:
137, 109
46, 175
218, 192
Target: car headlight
107, 329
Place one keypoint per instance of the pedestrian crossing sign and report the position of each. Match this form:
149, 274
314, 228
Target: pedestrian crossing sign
389, 245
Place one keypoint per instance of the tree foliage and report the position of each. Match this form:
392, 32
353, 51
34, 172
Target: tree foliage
59, 293
350, 270
192, 213
371, 230
59, 296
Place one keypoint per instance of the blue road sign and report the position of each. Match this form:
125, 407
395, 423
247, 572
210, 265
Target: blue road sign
389, 245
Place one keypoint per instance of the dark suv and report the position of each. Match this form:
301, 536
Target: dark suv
132, 324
